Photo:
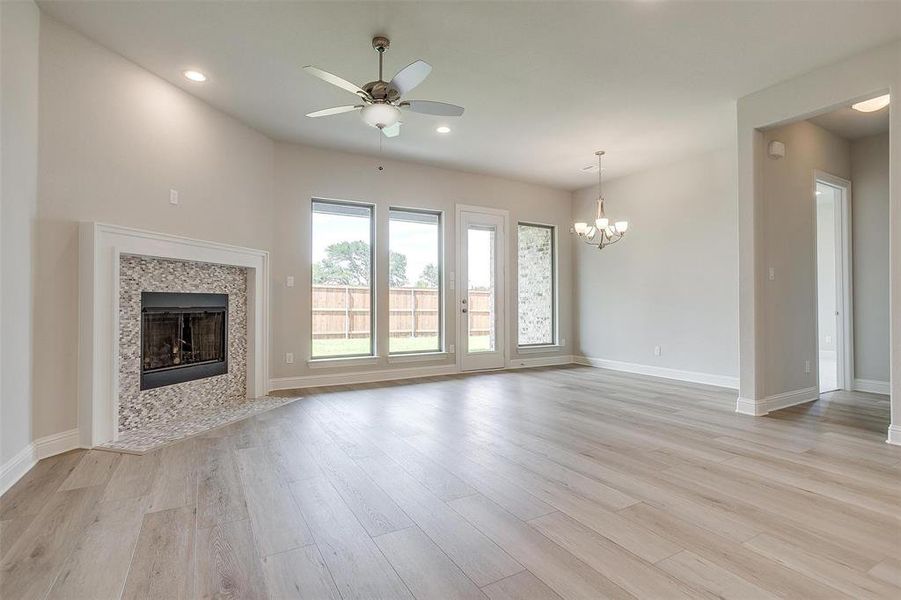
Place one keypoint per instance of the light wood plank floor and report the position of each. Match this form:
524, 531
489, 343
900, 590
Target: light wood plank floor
548, 483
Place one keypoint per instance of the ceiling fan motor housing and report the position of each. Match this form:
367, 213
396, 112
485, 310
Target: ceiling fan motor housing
381, 91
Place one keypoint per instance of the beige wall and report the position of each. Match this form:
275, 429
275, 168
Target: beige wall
113, 140
790, 222
302, 173
870, 239
672, 281
19, 27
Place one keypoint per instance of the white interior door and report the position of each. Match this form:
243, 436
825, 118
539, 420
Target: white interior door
480, 299
834, 335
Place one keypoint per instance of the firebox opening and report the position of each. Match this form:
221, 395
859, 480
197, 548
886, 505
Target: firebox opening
183, 337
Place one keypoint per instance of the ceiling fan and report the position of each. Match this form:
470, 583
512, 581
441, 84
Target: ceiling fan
383, 100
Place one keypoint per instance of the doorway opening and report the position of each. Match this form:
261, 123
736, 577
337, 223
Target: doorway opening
834, 351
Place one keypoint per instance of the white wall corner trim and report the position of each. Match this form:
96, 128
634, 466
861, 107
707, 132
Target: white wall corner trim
894, 435
100, 247
308, 381
872, 386
758, 408
664, 372
747, 406
51, 445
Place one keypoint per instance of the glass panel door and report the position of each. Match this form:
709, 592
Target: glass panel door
482, 301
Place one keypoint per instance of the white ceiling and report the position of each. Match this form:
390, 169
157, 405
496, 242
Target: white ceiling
852, 124
544, 84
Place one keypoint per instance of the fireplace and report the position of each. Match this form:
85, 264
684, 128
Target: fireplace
183, 337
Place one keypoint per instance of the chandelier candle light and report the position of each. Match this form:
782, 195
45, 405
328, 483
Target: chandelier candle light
602, 233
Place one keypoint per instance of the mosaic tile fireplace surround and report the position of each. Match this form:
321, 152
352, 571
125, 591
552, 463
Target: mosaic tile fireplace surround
139, 408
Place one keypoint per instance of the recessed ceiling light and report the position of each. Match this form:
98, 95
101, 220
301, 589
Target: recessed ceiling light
873, 104
443, 129
195, 76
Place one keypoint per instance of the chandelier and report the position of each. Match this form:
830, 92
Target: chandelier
602, 233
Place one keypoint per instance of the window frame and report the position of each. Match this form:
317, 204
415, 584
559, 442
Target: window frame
554, 341
441, 287
373, 312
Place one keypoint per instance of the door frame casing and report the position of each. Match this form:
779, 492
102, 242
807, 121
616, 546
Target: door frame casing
460, 286
844, 300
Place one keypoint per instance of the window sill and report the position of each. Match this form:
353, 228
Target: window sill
419, 357
350, 361
539, 349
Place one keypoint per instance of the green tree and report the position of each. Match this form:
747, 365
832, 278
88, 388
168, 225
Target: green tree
348, 263
429, 277
397, 270
345, 263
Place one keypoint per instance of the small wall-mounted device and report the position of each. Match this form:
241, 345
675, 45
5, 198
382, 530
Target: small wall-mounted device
776, 149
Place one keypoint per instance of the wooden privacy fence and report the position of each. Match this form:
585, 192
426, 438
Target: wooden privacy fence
342, 311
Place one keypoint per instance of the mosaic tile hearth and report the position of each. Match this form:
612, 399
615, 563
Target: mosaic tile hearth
191, 423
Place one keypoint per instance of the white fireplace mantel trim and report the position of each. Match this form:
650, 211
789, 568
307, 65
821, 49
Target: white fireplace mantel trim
100, 246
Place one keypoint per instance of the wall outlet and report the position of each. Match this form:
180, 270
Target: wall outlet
657, 351
562, 341
450, 348
289, 281
289, 358
807, 366
772, 274
828, 339
173, 197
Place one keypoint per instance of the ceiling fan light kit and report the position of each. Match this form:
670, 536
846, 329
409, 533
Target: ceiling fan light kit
601, 234
382, 100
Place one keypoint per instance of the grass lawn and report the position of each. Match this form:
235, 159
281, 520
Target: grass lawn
342, 347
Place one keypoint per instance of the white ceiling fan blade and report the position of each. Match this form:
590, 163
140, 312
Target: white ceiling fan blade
337, 110
335, 80
428, 107
410, 76
392, 131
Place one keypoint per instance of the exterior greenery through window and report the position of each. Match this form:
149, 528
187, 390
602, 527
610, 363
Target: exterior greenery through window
536, 285
414, 296
342, 320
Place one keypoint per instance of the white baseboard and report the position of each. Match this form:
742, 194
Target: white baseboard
13, 469
894, 435
292, 383
690, 376
873, 386
540, 361
758, 408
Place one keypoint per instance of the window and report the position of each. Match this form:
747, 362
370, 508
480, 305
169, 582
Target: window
414, 281
537, 285
342, 279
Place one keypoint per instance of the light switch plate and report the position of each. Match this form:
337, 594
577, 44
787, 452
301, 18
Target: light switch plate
289, 358
289, 281
173, 197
